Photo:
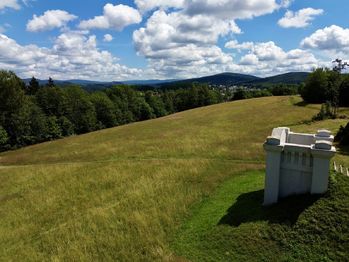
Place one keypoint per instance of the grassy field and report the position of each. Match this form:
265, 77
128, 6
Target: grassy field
127, 193
232, 225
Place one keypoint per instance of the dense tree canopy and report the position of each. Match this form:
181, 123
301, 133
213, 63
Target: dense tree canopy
33, 113
324, 85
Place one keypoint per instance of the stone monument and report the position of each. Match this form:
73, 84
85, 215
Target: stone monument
296, 163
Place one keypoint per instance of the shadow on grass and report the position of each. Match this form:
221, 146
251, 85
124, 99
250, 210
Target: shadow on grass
248, 208
301, 103
344, 150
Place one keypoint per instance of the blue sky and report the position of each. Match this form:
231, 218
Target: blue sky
158, 39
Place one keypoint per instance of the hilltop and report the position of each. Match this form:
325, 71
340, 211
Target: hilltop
132, 192
223, 79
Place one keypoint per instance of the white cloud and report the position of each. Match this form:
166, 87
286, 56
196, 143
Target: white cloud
333, 38
108, 38
74, 55
267, 58
180, 39
182, 44
147, 5
114, 17
234, 28
299, 19
234, 44
9, 4
285, 3
49, 20
231, 9
249, 59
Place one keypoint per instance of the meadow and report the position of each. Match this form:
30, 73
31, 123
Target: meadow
140, 192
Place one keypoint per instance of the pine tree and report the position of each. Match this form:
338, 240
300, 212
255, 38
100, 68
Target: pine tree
33, 86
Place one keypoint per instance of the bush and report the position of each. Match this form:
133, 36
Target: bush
343, 135
3, 136
326, 112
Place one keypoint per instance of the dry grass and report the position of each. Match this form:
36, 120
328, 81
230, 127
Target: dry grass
120, 193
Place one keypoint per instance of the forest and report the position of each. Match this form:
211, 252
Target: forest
32, 113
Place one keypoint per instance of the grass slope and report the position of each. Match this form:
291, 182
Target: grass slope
122, 193
232, 225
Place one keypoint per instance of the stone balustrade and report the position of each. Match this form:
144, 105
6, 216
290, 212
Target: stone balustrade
296, 163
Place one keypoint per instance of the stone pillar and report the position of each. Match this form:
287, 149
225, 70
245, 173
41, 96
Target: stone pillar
271, 189
322, 153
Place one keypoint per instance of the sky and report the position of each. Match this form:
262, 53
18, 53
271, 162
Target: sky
111, 40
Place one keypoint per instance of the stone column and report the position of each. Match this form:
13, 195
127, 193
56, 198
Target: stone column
322, 153
272, 177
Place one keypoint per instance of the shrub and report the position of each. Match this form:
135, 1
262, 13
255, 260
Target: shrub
343, 135
326, 112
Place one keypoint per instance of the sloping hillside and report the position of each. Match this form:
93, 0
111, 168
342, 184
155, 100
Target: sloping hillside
288, 78
122, 193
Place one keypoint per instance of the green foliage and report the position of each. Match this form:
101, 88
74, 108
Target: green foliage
241, 94
315, 89
67, 127
48, 112
326, 112
50, 82
3, 137
53, 101
283, 90
53, 129
324, 85
105, 110
81, 111
38, 124
344, 92
343, 135
33, 86
154, 100
11, 95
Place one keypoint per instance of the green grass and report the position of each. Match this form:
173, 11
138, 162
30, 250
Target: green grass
232, 225
123, 193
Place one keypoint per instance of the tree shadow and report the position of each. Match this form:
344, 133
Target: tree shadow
301, 103
248, 208
344, 150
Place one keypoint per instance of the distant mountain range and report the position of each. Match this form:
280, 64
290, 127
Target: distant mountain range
223, 79
231, 79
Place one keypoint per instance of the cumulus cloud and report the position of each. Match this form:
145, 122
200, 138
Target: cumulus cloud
73, 55
147, 5
9, 4
114, 17
178, 43
231, 9
285, 3
108, 38
299, 19
267, 58
234, 44
49, 20
181, 36
333, 38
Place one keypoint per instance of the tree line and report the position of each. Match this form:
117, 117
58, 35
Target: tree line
32, 113
325, 85
331, 88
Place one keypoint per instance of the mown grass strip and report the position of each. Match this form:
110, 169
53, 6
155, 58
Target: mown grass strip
232, 225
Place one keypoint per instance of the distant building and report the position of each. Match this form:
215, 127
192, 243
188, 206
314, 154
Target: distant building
296, 163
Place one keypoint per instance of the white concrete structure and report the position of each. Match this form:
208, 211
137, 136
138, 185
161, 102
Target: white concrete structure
296, 163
